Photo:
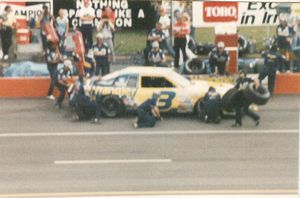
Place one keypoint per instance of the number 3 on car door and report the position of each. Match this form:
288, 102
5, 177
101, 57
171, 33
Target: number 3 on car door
165, 100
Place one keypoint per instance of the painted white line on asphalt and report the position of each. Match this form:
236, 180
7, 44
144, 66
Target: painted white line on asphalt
142, 132
127, 161
271, 193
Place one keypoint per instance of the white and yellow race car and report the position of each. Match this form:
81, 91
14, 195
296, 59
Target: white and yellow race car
124, 90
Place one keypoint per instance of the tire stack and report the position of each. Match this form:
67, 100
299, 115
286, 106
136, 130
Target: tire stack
194, 66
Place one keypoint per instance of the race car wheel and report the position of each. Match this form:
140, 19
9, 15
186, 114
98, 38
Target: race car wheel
198, 110
258, 96
194, 66
111, 106
227, 99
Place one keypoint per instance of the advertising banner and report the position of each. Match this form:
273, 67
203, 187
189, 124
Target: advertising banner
210, 14
28, 8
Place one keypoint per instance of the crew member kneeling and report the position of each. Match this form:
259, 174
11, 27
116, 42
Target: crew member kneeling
218, 59
148, 113
211, 106
61, 83
85, 107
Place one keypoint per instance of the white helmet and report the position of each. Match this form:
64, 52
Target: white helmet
221, 44
68, 64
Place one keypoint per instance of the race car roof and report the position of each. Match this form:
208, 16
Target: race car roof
151, 71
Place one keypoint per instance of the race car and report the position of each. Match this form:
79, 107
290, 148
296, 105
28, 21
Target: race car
124, 90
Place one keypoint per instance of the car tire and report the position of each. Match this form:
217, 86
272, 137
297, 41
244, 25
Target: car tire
194, 66
198, 110
227, 100
112, 106
258, 96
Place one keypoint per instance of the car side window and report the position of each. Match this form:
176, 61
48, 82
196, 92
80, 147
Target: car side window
132, 82
121, 81
105, 83
126, 81
156, 82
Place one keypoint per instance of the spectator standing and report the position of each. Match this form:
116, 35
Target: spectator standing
181, 30
87, 15
165, 22
284, 40
8, 23
110, 14
62, 28
106, 27
102, 56
218, 59
46, 18
52, 59
157, 56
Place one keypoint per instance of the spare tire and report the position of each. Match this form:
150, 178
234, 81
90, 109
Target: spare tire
258, 96
194, 66
112, 106
227, 99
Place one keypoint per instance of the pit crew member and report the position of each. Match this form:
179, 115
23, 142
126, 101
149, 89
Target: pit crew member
218, 59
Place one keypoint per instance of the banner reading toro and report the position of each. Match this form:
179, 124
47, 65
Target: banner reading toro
209, 14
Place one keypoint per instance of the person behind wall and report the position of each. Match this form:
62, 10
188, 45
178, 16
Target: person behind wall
106, 27
62, 75
85, 107
218, 59
86, 16
155, 35
211, 106
102, 56
110, 14
62, 28
165, 22
46, 17
272, 59
156, 56
284, 39
241, 104
148, 113
52, 57
6, 30
181, 29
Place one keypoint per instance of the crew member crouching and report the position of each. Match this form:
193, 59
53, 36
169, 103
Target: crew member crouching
211, 106
85, 107
148, 113
240, 102
61, 83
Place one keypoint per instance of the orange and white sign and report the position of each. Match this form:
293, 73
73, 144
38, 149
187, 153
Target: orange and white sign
220, 11
213, 13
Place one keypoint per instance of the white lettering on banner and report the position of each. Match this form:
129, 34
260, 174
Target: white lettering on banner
33, 11
249, 14
122, 12
220, 11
